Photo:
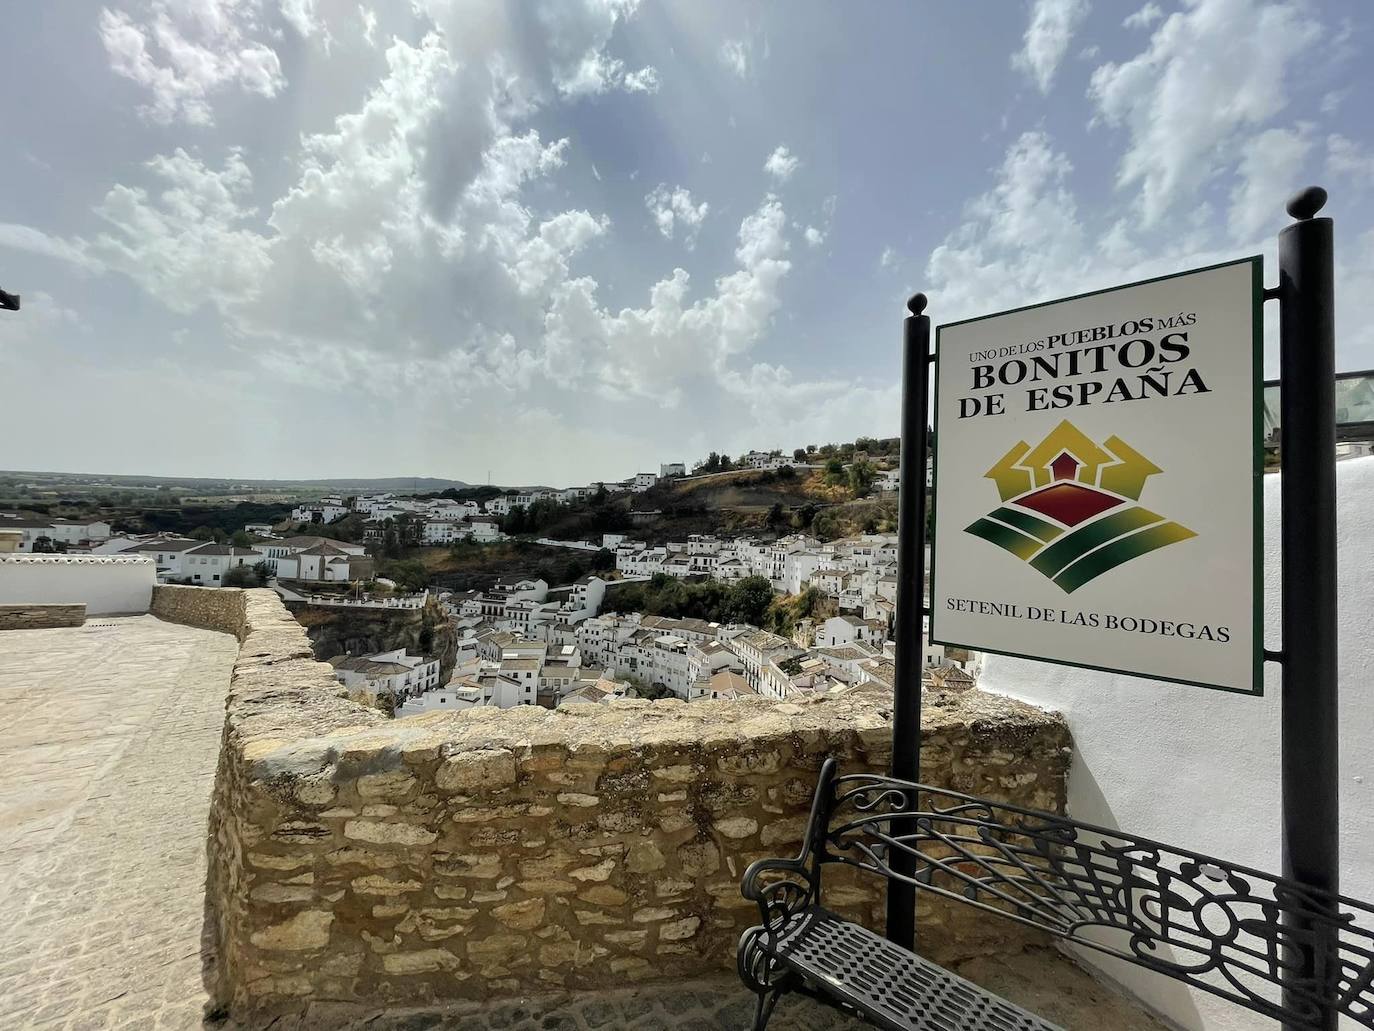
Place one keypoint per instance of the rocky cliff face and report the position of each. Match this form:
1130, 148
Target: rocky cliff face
362, 631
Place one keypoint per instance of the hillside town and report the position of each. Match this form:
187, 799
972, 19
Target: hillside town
524, 641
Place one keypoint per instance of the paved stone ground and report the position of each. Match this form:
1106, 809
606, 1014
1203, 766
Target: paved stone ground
109, 735
1040, 979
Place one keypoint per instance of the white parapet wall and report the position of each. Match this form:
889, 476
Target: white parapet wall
106, 584
1199, 769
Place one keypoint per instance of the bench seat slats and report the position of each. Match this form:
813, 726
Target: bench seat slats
894, 988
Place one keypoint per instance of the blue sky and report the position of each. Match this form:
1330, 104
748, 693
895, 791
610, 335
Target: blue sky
568, 240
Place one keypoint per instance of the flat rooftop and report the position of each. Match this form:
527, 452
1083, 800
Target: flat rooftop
109, 736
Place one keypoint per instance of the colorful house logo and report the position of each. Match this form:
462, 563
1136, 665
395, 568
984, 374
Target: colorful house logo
1067, 507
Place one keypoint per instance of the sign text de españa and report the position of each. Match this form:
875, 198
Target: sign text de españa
1123, 361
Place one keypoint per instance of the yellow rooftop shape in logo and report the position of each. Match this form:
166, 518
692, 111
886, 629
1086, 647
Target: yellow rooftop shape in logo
1066, 506
1113, 466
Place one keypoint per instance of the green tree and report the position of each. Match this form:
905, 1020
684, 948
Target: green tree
774, 518
240, 576
749, 600
799, 454
834, 471
264, 571
861, 477
410, 574
240, 539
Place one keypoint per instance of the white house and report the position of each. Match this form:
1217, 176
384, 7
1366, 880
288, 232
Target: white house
207, 564
325, 511
64, 532
642, 482
668, 469
838, 631
394, 673
763, 460
442, 530
485, 531
167, 552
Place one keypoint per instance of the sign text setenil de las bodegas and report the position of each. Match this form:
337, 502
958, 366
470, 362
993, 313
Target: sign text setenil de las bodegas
1097, 480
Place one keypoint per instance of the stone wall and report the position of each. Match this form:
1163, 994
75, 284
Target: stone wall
215, 608
39, 617
494, 853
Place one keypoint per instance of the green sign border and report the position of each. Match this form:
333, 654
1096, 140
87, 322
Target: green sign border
1257, 477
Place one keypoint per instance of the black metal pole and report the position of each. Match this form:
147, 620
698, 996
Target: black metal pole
909, 624
1307, 441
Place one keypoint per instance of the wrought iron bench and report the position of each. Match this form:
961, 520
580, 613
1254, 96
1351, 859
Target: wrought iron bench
1226, 929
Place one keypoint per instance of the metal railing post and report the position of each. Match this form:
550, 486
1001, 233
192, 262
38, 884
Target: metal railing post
1310, 746
909, 624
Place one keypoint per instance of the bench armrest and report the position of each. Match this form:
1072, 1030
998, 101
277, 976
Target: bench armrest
800, 885
779, 900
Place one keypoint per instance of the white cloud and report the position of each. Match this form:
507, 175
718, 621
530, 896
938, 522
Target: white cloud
1018, 242
1269, 167
735, 54
814, 237
1208, 75
35, 241
888, 258
40, 323
647, 352
190, 243
300, 15
643, 81
781, 164
674, 209
183, 54
1145, 17
1051, 29
1345, 157
369, 19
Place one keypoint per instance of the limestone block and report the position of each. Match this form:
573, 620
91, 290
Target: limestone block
522, 916
600, 872
307, 930
375, 884
477, 772
679, 930
422, 962
603, 895
737, 826
644, 857
578, 799
699, 858
378, 832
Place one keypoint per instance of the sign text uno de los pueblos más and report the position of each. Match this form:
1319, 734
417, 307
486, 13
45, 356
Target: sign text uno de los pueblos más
1097, 480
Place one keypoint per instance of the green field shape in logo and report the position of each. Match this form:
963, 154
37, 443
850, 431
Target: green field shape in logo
1082, 485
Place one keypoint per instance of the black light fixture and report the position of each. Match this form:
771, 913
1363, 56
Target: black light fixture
9, 302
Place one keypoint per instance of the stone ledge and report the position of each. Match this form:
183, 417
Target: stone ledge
41, 617
28, 558
486, 853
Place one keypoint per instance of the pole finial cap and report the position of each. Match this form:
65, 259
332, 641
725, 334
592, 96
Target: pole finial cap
916, 303
1306, 203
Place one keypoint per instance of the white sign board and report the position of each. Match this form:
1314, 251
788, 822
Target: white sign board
1097, 480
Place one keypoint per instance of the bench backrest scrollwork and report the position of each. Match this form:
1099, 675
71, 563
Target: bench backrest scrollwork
1230, 930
